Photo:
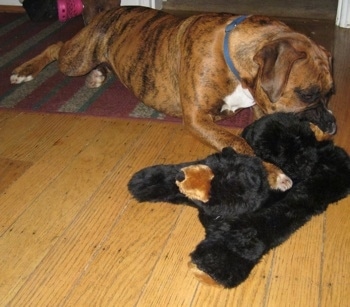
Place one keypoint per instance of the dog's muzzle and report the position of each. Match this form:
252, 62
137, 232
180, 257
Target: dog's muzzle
320, 116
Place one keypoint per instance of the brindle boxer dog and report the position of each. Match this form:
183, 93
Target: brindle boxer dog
201, 68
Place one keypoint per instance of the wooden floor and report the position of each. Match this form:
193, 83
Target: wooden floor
71, 235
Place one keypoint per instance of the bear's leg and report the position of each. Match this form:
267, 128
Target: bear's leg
202, 276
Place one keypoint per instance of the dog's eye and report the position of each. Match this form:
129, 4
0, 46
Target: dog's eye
309, 95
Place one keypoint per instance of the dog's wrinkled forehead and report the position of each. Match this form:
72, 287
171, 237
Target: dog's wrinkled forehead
314, 90
312, 76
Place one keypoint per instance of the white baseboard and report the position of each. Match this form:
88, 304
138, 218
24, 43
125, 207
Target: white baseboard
10, 2
156, 4
343, 14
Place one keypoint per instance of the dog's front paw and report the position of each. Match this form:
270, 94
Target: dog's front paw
282, 182
276, 178
21, 75
27, 71
203, 277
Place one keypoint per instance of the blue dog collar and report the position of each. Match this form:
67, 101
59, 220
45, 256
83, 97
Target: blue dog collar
228, 29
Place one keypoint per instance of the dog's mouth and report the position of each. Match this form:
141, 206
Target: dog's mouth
320, 116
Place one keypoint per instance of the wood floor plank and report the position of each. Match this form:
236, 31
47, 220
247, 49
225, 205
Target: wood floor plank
127, 266
340, 101
39, 226
10, 171
37, 178
336, 262
100, 214
15, 130
300, 257
5, 116
35, 137
171, 274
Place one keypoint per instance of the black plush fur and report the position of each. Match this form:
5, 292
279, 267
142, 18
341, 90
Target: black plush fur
239, 185
241, 227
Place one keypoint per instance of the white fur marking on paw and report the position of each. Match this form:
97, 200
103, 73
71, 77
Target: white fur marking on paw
284, 183
95, 79
16, 79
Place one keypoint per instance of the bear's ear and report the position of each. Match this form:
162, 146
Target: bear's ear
228, 152
319, 134
196, 182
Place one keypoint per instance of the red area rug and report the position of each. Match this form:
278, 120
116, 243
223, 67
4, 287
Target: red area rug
52, 92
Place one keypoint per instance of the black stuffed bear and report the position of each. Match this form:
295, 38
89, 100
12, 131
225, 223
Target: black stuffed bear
242, 217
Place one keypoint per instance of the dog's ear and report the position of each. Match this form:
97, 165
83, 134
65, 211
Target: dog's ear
319, 134
195, 182
275, 62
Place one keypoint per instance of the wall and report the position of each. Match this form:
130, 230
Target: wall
151, 3
10, 2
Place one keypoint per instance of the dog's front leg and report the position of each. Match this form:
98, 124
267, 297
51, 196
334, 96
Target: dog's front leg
76, 57
276, 178
204, 128
30, 69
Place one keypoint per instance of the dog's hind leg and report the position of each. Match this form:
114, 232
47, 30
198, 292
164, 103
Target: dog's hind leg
29, 70
72, 61
75, 57
97, 76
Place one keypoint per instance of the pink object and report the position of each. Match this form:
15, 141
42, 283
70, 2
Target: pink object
68, 9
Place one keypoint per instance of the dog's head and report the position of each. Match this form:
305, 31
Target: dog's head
294, 75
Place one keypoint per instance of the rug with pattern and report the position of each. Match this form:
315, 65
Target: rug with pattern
22, 39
